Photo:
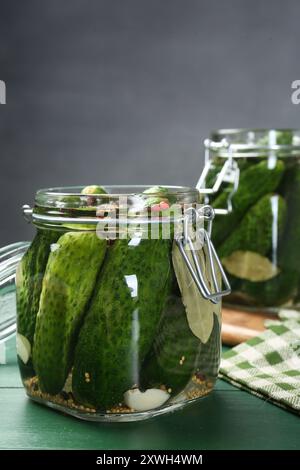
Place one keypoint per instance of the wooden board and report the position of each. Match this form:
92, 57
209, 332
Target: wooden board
239, 326
230, 419
212, 423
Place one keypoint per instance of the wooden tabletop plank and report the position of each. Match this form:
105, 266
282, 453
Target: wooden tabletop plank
224, 420
228, 419
239, 326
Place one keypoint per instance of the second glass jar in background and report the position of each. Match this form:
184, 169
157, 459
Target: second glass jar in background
254, 181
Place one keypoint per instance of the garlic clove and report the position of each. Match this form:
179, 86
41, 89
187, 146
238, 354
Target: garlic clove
23, 348
148, 400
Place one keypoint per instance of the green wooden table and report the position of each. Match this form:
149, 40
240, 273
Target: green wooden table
227, 419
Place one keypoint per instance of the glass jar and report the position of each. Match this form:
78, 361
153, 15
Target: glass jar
119, 301
253, 181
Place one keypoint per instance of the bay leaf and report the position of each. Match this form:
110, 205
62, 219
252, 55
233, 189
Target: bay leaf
198, 309
250, 266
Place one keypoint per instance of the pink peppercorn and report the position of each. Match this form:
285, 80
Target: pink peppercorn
164, 205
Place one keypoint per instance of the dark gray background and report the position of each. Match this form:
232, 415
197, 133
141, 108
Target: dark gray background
124, 91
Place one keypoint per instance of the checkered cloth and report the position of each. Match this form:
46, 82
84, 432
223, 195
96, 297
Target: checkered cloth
268, 365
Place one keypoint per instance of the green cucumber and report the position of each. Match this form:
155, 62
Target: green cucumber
255, 231
273, 292
185, 333
67, 287
122, 320
172, 359
283, 287
257, 180
93, 189
177, 354
218, 163
291, 239
208, 360
29, 278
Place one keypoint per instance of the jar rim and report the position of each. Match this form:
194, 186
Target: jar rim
72, 196
246, 142
59, 206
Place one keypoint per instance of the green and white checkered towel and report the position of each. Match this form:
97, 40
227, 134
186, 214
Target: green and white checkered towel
268, 365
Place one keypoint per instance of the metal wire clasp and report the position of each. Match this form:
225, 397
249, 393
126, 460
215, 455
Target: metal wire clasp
215, 291
229, 173
27, 212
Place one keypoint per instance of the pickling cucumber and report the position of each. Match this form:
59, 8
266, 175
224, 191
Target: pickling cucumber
29, 278
172, 359
122, 320
68, 283
177, 353
255, 231
257, 180
283, 287
185, 333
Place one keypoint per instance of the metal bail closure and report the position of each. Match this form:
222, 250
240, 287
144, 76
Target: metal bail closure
216, 272
27, 213
229, 173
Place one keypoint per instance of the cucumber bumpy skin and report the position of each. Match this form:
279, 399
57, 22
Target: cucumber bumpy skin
122, 320
29, 278
208, 360
255, 181
272, 293
283, 287
186, 334
67, 286
255, 230
172, 358
177, 353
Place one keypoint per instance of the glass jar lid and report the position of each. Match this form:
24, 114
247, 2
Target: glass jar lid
77, 197
239, 143
78, 205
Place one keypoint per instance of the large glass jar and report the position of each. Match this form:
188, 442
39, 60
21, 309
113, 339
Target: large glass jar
253, 181
119, 301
